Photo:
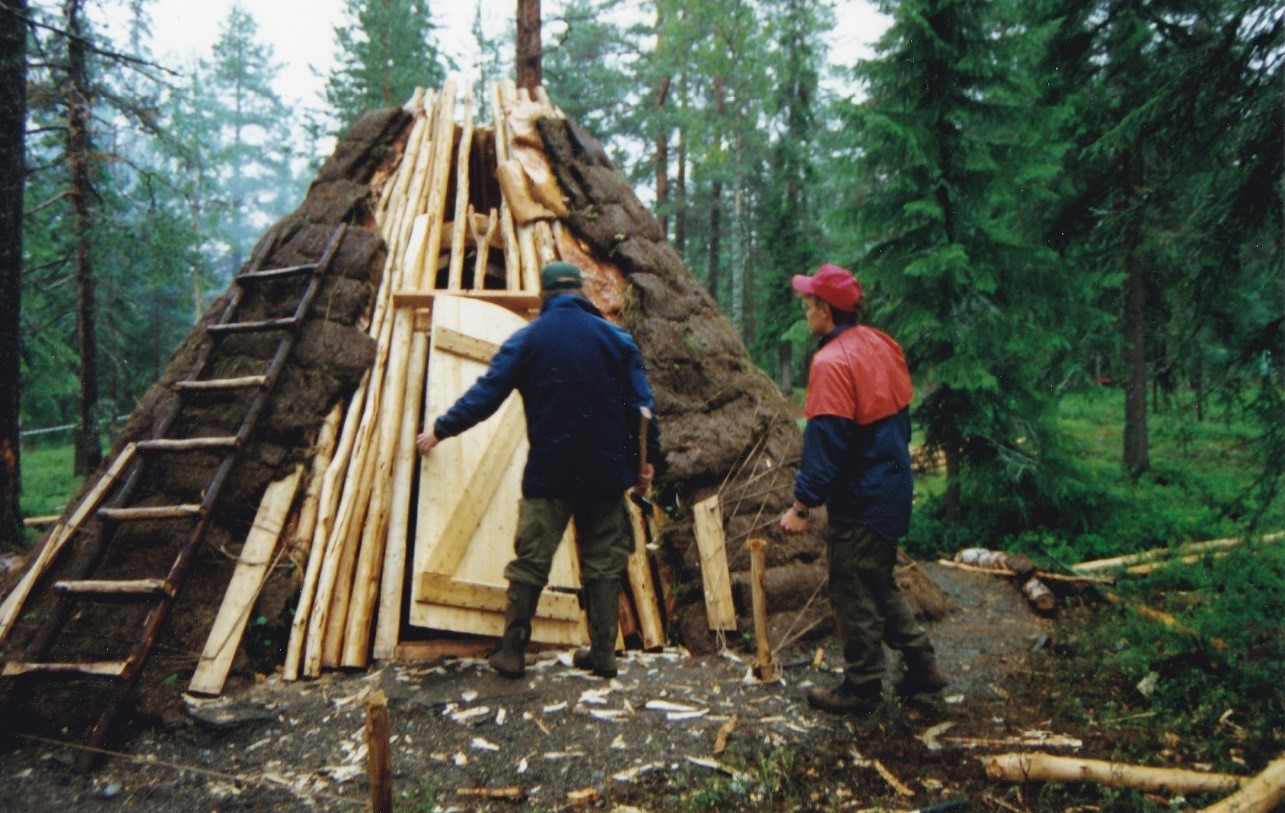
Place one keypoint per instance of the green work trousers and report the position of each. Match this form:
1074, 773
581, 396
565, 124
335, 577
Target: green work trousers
869, 608
602, 532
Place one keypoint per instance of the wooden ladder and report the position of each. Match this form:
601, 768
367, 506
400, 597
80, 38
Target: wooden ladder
159, 594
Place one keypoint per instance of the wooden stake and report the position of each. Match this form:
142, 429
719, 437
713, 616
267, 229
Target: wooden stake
719, 609
247, 580
301, 543
483, 239
379, 758
1037, 767
763, 667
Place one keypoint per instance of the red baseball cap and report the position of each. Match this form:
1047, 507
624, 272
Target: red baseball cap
831, 284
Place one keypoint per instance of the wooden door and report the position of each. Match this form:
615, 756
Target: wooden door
469, 489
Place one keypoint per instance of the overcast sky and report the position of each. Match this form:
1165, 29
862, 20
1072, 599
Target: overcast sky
301, 33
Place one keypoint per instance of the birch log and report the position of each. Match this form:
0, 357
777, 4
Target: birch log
1259, 795
1038, 767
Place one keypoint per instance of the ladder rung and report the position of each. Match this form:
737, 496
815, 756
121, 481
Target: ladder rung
276, 273
187, 444
115, 587
284, 323
99, 668
157, 512
245, 382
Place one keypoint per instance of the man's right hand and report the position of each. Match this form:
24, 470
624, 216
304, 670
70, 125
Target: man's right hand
425, 442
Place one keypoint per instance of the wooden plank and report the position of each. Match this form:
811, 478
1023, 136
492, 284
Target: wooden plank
521, 303
58, 538
453, 341
443, 589
442, 648
719, 609
638, 570
243, 590
480, 490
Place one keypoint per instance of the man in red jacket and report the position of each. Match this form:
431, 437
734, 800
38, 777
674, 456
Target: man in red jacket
856, 460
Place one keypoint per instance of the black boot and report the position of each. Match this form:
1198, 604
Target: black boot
604, 624
510, 659
923, 676
847, 698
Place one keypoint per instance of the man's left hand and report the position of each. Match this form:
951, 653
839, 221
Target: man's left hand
792, 524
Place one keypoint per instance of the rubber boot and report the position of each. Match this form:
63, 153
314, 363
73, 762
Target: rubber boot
847, 698
510, 659
923, 676
604, 624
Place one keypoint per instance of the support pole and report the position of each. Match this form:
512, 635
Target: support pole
379, 763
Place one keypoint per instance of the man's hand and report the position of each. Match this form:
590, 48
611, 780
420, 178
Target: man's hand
426, 442
792, 524
645, 475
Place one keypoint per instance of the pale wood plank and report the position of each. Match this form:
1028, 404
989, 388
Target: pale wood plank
456, 592
719, 608
243, 590
640, 582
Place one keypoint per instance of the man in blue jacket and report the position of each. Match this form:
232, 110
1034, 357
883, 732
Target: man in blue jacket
856, 460
583, 390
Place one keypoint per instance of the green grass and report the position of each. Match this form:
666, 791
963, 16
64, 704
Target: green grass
47, 479
1085, 506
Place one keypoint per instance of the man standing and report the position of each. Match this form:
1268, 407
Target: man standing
856, 460
583, 390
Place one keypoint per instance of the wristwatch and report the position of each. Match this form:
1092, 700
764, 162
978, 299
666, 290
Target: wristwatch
801, 513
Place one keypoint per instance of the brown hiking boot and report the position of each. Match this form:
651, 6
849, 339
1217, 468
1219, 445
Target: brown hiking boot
847, 697
922, 676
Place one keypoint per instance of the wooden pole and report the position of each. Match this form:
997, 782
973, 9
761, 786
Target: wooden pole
763, 667
379, 760
301, 542
1259, 795
455, 277
512, 256
1162, 553
1038, 767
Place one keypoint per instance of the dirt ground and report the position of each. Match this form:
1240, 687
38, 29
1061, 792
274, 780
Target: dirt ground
636, 742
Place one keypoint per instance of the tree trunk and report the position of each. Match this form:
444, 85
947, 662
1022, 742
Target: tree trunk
714, 249
89, 452
529, 47
1136, 459
13, 120
662, 157
785, 368
680, 192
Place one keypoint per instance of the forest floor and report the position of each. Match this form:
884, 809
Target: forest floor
563, 740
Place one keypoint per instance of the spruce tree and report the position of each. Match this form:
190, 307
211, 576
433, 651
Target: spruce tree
948, 162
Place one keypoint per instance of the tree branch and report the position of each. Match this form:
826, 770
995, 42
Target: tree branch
88, 43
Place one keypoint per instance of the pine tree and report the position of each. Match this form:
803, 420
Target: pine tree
948, 163
13, 123
386, 48
254, 153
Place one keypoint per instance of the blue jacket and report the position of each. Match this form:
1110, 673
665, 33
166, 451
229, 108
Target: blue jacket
582, 384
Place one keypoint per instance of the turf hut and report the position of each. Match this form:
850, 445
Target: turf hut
264, 509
